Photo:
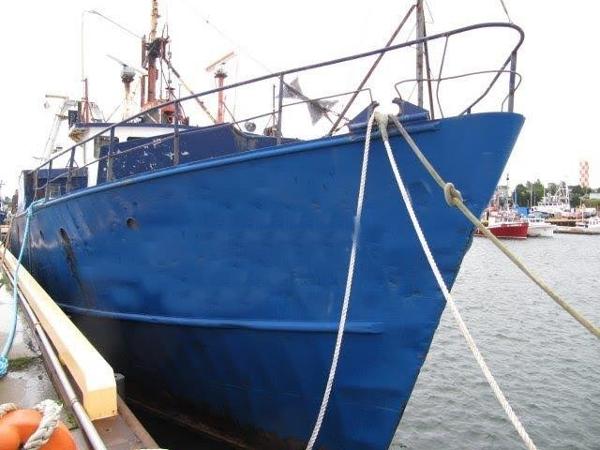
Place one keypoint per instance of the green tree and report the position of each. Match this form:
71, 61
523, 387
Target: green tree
522, 194
577, 193
529, 194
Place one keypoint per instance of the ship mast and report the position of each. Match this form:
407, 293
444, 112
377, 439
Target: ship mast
420, 51
154, 49
220, 74
154, 20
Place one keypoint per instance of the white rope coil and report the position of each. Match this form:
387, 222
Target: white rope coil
382, 122
50, 411
5, 408
348, 290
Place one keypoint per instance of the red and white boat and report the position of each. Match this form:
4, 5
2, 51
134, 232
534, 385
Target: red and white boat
502, 219
507, 230
506, 225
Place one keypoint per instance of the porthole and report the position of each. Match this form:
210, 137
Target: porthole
133, 224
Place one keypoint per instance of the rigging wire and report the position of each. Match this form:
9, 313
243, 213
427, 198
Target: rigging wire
238, 46
430, 11
506, 11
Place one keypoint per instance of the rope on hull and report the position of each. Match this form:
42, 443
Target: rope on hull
382, 121
453, 198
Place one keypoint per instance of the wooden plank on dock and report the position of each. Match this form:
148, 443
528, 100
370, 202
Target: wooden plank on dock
90, 371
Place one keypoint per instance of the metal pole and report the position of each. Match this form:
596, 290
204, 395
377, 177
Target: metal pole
428, 69
370, 72
35, 183
109, 160
274, 117
511, 88
176, 136
70, 171
47, 192
280, 109
420, 51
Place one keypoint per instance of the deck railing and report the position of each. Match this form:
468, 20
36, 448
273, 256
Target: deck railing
510, 62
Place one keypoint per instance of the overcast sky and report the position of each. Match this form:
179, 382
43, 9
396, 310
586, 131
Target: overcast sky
558, 96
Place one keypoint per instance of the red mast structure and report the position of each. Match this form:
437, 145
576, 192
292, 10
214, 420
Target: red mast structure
153, 49
220, 75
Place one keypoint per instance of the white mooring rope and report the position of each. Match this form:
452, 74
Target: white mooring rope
454, 198
382, 121
348, 291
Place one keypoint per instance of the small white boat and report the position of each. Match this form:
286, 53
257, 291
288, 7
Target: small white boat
593, 223
538, 227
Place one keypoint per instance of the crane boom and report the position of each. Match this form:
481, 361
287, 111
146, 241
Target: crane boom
187, 88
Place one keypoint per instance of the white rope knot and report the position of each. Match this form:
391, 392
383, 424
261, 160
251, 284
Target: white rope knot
382, 123
5, 408
50, 411
454, 198
452, 195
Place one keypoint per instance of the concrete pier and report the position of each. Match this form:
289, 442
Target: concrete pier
27, 381
31, 377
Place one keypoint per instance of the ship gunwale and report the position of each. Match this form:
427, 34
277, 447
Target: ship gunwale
267, 152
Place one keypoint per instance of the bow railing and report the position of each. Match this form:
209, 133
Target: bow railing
508, 67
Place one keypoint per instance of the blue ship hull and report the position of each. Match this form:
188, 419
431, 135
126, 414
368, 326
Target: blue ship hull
215, 287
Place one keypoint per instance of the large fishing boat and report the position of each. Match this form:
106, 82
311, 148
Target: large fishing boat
208, 264
557, 204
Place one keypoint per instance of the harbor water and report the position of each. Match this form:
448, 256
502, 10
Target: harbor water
546, 363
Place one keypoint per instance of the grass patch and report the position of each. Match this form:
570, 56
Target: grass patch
4, 280
20, 364
71, 422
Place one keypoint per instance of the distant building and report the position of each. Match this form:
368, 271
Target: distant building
594, 195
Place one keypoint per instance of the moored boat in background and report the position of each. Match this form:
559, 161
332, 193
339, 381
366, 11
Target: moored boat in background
592, 223
507, 229
557, 204
502, 219
538, 227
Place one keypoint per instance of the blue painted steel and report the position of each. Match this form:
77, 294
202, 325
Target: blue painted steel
58, 182
217, 285
522, 210
148, 154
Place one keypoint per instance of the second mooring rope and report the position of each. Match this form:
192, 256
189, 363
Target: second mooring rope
347, 292
382, 121
454, 198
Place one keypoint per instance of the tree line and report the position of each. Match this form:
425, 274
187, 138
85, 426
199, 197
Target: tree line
529, 194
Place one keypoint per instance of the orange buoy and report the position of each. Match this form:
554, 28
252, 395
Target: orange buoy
17, 426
